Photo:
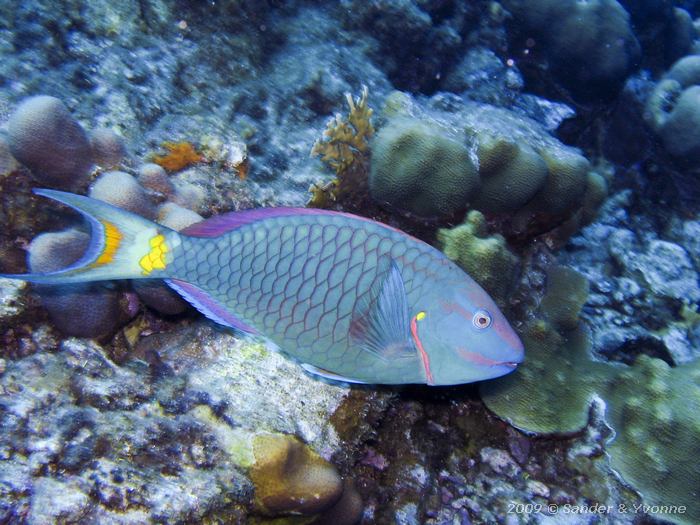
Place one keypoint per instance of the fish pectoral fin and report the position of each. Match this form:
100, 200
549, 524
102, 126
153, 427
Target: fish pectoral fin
314, 370
380, 324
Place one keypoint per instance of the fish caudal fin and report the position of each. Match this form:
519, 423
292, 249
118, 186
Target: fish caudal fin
123, 245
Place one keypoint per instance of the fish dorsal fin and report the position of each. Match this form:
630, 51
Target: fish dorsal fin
380, 324
226, 222
311, 369
209, 306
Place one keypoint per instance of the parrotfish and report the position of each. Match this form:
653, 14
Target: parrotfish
349, 298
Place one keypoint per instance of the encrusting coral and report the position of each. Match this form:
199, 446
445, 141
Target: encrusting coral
652, 408
345, 149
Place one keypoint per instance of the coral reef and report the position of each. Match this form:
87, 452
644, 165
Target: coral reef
551, 392
158, 422
44, 136
419, 167
108, 148
424, 162
507, 165
123, 190
171, 440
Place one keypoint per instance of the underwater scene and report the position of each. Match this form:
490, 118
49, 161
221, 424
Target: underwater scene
395, 262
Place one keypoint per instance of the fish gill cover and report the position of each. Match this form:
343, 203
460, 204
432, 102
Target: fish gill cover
517, 136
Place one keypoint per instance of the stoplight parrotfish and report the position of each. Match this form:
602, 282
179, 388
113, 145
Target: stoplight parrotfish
351, 299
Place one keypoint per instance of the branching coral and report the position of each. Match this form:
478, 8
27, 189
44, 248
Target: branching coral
345, 149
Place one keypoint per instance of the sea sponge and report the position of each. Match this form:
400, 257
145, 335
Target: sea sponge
178, 156
511, 174
45, 137
290, 478
419, 167
589, 46
108, 148
485, 258
673, 111
81, 310
122, 190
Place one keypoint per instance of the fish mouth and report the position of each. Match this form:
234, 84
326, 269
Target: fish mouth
510, 364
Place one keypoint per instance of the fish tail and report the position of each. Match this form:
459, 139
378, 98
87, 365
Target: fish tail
122, 245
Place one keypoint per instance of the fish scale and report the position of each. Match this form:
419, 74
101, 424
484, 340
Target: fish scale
300, 283
349, 297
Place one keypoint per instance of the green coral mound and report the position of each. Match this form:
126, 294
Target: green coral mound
589, 46
673, 111
528, 182
485, 258
654, 409
511, 174
419, 167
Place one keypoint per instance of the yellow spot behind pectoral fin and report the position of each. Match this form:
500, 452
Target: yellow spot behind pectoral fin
113, 238
155, 258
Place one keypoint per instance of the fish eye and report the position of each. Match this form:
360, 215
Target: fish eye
481, 319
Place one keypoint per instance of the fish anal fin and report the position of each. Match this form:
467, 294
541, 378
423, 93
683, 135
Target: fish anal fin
209, 306
320, 372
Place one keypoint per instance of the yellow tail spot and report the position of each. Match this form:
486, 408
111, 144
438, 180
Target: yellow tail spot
154, 259
113, 238
420, 316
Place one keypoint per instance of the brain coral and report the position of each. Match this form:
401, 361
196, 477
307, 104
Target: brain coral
122, 190
589, 46
673, 111
83, 309
418, 167
45, 137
